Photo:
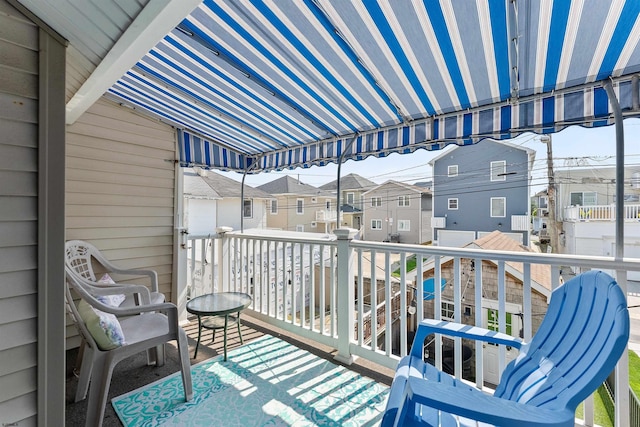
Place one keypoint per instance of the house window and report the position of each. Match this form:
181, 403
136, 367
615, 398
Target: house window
300, 228
584, 199
247, 208
404, 225
403, 200
328, 205
448, 310
376, 201
453, 204
376, 224
499, 170
300, 206
498, 207
452, 170
350, 198
274, 207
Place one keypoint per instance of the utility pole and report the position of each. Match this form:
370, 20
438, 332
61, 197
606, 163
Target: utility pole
551, 194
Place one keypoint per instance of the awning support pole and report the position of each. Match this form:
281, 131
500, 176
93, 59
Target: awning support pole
347, 147
622, 369
617, 114
244, 175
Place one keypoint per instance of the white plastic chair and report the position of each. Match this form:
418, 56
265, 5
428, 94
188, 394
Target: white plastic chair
144, 327
80, 259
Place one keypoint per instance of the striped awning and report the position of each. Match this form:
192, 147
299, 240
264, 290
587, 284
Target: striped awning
264, 85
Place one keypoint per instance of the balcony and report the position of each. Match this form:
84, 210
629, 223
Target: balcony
326, 215
600, 213
295, 281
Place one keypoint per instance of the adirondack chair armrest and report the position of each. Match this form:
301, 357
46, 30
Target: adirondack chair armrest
476, 405
452, 329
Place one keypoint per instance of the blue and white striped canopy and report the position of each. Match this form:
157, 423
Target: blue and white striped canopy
264, 85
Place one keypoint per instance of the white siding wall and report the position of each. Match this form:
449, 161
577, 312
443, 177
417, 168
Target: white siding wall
120, 189
18, 216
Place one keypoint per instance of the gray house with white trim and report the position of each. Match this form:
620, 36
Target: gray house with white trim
481, 188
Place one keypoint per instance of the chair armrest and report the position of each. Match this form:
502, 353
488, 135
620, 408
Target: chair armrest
153, 276
431, 326
123, 288
479, 406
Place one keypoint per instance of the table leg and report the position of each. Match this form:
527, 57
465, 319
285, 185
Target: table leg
195, 353
239, 332
226, 320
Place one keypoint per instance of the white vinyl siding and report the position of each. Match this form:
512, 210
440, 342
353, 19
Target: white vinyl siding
18, 218
120, 188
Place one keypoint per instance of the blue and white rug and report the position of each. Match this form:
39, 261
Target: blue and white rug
267, 382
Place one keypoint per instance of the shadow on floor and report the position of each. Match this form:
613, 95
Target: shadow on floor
134, 372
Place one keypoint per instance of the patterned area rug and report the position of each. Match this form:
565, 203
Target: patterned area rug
267, 382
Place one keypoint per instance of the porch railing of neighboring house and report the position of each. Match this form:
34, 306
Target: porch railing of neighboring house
326, 215
298, 284
600, 213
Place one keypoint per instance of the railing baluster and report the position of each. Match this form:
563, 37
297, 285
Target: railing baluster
360, 293
387, 297
479, 345
373, 305
502, 314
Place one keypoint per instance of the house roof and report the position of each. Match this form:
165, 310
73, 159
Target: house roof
290, 185
531, 154
410, 187
498, 241
212, 185
352, 181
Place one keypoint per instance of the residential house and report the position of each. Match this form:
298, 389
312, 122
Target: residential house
540, 213
540, 295
352, 189
397, 212
212, 200
585, 206
296, 206
479, 189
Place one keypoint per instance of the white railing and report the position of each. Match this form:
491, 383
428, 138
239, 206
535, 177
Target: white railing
439, 222
298, 284
520, 222
326, 215
600, 213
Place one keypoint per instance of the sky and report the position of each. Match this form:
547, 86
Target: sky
573, 146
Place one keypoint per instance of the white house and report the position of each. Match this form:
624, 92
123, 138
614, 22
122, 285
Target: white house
212, 200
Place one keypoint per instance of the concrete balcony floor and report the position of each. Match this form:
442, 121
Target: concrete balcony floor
133, 372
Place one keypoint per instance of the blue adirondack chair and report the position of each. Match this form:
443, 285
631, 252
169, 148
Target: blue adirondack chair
580, 340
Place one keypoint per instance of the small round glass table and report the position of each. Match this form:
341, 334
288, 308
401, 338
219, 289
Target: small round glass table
215, 311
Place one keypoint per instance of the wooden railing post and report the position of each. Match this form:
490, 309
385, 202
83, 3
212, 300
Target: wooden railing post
345, 295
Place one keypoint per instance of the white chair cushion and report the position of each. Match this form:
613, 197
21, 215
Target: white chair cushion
103, 327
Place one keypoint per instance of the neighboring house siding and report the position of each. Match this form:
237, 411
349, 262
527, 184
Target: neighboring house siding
121, 188
391, 213
18, 218
229, 211
201, 216
473, 187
